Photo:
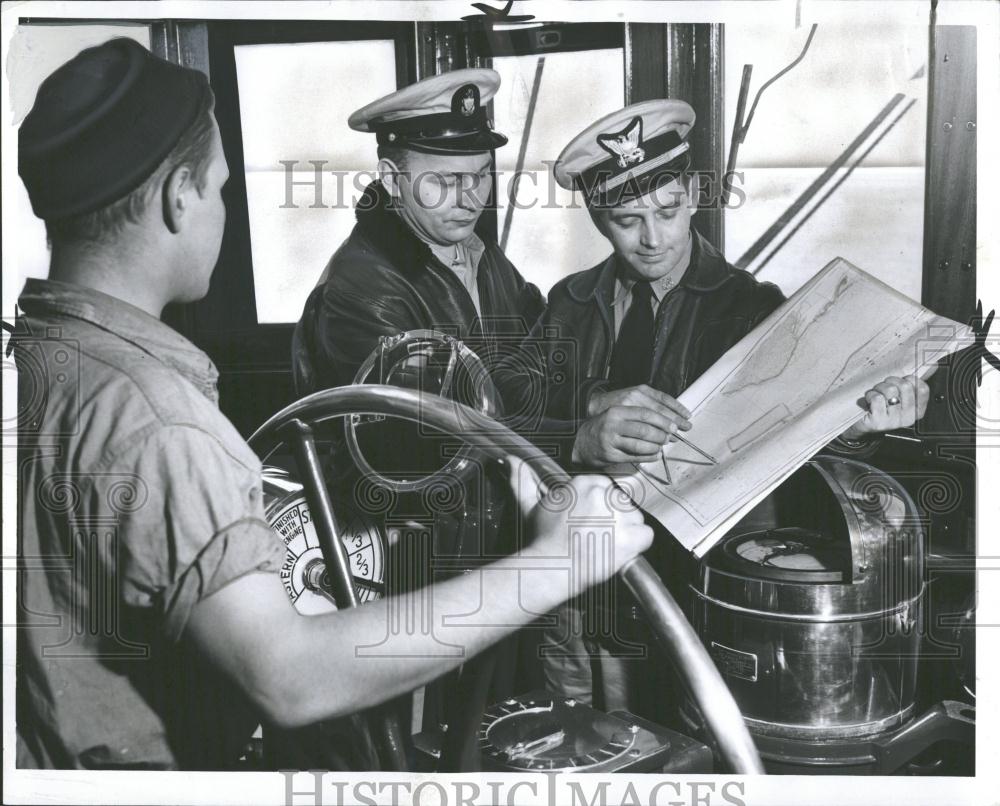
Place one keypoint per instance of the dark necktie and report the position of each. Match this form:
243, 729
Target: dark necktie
632, 357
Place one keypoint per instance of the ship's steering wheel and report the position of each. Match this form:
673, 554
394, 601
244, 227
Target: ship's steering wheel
293, 426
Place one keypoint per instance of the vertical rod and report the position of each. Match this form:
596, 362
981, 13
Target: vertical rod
300, 438
522, 152
739, 133
948, 284
712, 49
382, 721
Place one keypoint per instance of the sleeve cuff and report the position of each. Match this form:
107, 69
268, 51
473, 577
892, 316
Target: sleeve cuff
244, 547
588, 388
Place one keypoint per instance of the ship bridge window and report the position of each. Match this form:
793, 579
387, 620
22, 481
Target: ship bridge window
304, 167
546, 232
833, 162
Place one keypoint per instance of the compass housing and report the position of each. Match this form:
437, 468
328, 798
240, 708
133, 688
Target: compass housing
810, 607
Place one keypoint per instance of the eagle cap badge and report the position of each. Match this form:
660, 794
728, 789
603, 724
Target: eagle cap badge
626, 145
466, 100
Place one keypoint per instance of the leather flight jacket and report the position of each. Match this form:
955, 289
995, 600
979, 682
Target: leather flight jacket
384, 281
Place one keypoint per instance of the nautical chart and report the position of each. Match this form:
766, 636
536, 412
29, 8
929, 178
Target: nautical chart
783, 392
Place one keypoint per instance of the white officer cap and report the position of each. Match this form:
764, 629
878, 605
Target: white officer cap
444, 114
628, 153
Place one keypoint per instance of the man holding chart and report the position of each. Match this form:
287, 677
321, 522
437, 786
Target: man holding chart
647, 322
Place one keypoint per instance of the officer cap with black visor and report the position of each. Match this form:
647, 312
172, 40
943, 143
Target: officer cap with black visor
444, 114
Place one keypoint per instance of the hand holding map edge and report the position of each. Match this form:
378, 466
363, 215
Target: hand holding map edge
894, 403
787, 389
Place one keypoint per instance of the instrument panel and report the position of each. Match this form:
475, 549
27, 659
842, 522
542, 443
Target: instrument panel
303, 573
542, 732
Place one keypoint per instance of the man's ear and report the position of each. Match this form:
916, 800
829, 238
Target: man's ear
177, 190
388, 175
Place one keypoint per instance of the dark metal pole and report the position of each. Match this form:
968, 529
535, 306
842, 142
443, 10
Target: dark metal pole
338, 565
738, 133
382, 721
522, 151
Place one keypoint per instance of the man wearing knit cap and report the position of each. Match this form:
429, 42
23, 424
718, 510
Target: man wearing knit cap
154, 630
648, 321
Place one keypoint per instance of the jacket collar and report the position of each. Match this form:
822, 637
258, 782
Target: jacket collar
51, 298
596, 283
707, 271
383, 226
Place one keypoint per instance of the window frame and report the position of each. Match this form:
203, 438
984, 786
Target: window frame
224, 324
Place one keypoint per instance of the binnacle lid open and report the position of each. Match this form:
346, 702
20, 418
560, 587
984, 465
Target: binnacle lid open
789, 554
838, 539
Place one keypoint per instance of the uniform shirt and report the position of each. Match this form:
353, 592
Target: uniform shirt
623, 297
137, 499
463, 259
622, 300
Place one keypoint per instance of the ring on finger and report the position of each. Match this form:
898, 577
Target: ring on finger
894, 400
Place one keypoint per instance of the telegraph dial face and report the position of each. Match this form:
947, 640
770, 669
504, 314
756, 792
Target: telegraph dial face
545, 733
303, 572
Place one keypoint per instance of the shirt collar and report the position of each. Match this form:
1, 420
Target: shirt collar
469, 252
623, 286
149, 334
